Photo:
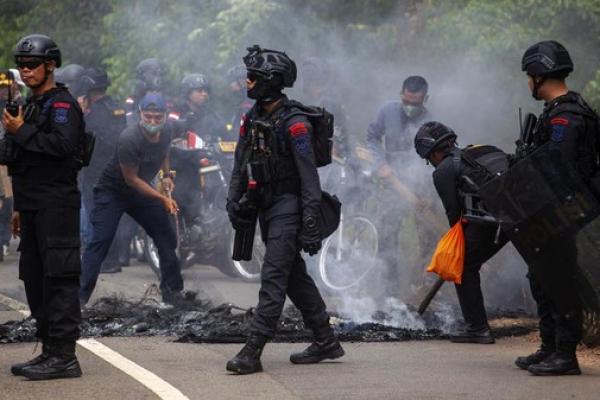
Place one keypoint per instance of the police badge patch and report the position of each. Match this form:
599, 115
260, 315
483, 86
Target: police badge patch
61, 112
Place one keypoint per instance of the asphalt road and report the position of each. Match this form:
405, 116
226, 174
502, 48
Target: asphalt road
409, 370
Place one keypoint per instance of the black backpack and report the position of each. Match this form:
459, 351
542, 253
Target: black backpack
322, 123
486, 162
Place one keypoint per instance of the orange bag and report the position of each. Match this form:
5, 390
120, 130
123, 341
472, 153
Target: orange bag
449, 257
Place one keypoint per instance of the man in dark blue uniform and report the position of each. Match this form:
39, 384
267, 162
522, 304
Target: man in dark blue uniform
288, 212
200, 118
125, 187
47, 138
458, 173
568, 126
106, 119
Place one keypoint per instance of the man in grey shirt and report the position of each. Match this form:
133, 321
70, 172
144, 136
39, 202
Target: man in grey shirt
390, 142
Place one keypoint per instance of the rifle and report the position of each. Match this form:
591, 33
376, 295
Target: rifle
244, 239
11, 106
256, 191
527, 134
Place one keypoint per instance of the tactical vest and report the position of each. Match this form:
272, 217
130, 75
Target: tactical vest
281, 167
588, 143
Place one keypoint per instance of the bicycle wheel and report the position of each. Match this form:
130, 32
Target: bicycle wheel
350, 254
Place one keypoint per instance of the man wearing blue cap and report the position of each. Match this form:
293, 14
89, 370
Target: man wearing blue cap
125, 187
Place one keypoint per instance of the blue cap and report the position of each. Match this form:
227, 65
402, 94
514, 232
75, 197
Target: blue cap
153, 101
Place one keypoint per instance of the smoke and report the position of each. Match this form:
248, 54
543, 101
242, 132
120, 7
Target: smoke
476, 99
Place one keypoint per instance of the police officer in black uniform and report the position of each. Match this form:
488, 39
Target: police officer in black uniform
47, 201
568, 125
455, 177
196, 111
287, 214
106, 118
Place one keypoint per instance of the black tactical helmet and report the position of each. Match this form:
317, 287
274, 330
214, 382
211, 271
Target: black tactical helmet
151, 72
236, 73
270, 63
91, 79
194, 81
430, 136
69, 74
38, 46
547, 59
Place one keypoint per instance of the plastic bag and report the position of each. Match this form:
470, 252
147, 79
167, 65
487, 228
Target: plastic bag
449, 257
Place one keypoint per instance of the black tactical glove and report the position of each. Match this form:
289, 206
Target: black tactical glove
239, 220
310, 237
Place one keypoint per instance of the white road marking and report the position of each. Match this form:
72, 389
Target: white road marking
159, 386
162, 388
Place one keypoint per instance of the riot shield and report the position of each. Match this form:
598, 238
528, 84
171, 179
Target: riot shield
540, 201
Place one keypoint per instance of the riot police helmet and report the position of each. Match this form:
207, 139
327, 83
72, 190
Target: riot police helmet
151, 72
69, 74
547, 59
433, 136
269, 64
38, 46
194, 81
92, 79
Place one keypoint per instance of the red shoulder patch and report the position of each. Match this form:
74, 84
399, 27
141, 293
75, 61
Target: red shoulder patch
298, 129
559, 121
243, 125
61, 104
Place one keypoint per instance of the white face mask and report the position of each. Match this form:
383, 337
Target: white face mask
412, 111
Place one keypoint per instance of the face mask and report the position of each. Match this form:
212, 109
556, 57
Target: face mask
151, 128
412, 111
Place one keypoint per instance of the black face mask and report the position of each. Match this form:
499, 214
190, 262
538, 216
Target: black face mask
536, 88
265, 90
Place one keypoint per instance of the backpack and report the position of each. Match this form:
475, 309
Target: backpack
322, 123
486, 162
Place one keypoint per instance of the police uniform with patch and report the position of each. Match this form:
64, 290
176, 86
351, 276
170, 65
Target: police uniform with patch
46, 196
296, 191
568, 126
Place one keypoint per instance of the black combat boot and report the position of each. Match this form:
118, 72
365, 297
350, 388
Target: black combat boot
481, 336
17, 369
543, 352
326, 346
247, 361
60, 363
558, 363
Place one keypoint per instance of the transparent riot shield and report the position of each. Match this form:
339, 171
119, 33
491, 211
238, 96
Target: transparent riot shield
542, 200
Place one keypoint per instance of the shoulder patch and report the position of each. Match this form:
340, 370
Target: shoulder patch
243, 125
61, 104
558, 132
559, 121
118, 112
298, 129
61, 115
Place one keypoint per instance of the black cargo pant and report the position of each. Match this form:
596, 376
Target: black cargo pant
284, 271
479, 248
49, 266
552, 278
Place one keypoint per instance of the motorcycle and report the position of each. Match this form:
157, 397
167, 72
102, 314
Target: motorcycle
204, 234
